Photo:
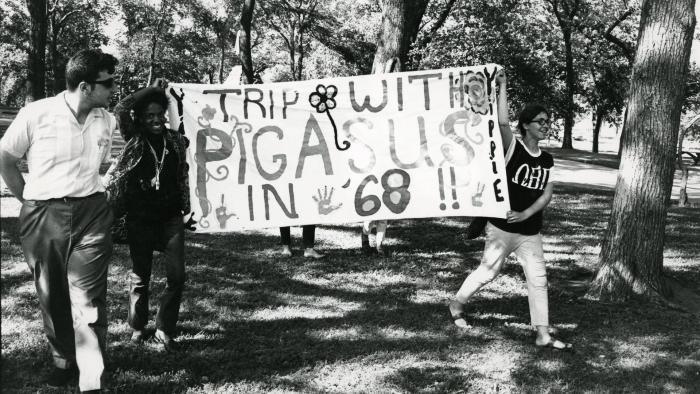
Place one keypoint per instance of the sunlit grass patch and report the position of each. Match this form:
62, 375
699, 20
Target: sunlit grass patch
307, 307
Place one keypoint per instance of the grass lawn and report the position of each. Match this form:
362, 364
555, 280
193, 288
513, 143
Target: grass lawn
253, 322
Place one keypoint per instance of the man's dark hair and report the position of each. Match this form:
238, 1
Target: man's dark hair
86, 65
529, 112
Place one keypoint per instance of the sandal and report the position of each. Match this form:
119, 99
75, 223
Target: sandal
556, 344
459, 319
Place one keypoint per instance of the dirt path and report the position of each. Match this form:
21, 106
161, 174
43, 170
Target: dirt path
584, 174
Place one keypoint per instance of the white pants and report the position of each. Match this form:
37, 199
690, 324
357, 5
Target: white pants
528, 250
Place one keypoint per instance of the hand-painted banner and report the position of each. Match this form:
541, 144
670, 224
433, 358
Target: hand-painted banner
382, 146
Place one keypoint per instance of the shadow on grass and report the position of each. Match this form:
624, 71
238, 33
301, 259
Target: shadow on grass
252, 321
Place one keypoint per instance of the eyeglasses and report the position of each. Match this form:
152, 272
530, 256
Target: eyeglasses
107, 83
541, 122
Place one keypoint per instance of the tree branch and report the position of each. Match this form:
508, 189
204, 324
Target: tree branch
441, 18
623, 46
345, 43
269, 21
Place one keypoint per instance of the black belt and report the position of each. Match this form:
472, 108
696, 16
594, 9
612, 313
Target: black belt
74, 199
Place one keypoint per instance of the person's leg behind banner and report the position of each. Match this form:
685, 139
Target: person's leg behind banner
366, 229
309, 238
381, 233
286, 241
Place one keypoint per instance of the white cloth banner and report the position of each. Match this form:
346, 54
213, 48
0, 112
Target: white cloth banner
383, 146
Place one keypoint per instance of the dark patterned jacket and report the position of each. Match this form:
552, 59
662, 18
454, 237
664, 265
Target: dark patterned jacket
115, 180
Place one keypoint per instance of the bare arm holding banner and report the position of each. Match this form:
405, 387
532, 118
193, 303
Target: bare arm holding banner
503, 121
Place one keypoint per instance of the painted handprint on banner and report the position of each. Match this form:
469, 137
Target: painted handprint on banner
324, 201
476, 198
323, 101
221, 214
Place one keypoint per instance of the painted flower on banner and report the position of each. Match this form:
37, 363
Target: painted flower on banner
208, 112
323, 98
477, 92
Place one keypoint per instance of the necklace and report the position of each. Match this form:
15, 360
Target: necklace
155, 182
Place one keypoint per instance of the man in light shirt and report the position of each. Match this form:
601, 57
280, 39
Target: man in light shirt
65, 221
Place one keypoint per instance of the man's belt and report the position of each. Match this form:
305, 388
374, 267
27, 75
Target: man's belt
73, 199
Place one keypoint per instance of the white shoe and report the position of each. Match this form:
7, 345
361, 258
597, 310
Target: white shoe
286, 251
311, 252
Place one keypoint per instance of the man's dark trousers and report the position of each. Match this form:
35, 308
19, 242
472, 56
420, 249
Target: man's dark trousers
67, 245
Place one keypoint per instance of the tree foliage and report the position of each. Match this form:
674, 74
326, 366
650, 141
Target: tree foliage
193, 41
521, 36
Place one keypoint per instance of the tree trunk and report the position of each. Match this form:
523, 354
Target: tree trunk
58, 67
152, 59
570, 85
222, 59
164, 8
58, 61
300, 58
631, 256
53, 52
683, 189
36, 67
246, 58
400, 22
565, 12
596, 128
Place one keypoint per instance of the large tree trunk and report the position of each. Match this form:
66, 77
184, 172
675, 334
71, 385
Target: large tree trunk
36, 67
631, 257
244, 36
400, 22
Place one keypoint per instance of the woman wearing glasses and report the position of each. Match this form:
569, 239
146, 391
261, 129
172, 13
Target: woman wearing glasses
528, 170
149, 183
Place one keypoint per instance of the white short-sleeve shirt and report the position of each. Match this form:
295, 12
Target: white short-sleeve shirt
63, 156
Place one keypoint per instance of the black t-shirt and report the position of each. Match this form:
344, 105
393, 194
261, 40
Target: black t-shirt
143, 201
528, 175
